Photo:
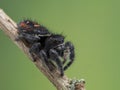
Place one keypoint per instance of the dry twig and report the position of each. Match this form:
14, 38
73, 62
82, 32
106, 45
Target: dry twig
10, 29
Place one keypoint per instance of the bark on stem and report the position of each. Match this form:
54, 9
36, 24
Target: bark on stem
9, 27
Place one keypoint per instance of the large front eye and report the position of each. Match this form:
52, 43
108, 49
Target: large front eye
57, 41
62, 40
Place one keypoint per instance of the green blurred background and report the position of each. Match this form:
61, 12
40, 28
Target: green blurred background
92, 25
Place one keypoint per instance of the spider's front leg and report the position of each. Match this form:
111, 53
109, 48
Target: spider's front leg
43, 56
69, 52
56, 58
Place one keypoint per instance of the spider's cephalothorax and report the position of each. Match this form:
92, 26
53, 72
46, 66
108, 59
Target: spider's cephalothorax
46, 45
31, 32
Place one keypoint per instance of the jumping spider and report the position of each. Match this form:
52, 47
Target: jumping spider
46, 45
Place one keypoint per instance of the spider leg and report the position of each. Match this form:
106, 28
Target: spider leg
44, 57
56, 58
35, 49
64, 61
65, 55
69, 48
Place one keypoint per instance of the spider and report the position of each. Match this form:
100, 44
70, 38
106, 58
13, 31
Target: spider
48, 46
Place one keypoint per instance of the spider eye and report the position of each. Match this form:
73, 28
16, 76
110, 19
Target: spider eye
27, 22
57, 41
